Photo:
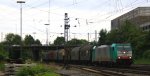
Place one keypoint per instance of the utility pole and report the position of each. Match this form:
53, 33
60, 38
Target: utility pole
95, 36
46, 34
49, 12
48, 24
88, 37
21, 2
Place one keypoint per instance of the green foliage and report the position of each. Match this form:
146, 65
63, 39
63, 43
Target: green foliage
37, 42
29, 40
93, 43
146, 54
126, 33
2, 66
142, 61
59, 41
102, 38
132, 34
147, 40
12, 39
112, 37
38, 70
3, 53
76, 42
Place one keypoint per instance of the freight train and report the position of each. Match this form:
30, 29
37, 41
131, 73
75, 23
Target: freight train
115, 54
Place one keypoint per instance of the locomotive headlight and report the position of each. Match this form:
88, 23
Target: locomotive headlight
124, 52
130, 57
119, 57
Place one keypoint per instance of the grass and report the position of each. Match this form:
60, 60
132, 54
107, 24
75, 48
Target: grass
39, 70
142, 61
2, 66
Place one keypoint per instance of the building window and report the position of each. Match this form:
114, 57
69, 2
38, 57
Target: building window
143, 28
149, 26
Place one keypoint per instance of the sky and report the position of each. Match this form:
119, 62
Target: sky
87, 15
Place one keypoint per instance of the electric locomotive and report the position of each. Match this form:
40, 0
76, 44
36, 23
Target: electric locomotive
120, 54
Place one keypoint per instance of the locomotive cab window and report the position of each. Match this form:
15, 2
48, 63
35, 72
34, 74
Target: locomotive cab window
127, 48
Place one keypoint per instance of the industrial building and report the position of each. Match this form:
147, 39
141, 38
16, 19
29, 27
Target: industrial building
139, 16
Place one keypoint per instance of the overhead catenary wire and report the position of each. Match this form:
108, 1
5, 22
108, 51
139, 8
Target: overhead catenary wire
127, 7
62, 15
55, 13
108, 17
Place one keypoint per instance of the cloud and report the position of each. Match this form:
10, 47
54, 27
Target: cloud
34, 20
97, 13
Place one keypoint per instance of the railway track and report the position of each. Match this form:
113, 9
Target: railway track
97, 71
141, 67
113, 71
127, 71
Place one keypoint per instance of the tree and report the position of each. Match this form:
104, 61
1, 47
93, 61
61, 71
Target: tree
3, 53
12, 39
112, 37
134, 35
93, 43
37, 42
146, 54
59, 41
77, 42
29, 40
102, 38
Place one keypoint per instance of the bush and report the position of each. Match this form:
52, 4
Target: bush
3, 53
146, 54
36, 71
142, 61
2, 66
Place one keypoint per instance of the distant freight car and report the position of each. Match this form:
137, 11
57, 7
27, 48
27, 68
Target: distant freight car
102, 54
52, 55
75, 55
60, 55
85, 54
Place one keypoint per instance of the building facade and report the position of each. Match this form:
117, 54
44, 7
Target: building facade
139, 16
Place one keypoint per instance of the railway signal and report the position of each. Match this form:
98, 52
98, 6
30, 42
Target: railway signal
66, 27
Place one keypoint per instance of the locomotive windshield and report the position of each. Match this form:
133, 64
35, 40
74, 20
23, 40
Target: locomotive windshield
126, 48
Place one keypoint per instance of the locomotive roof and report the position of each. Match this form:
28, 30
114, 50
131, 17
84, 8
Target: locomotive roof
121, 44
102, 46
